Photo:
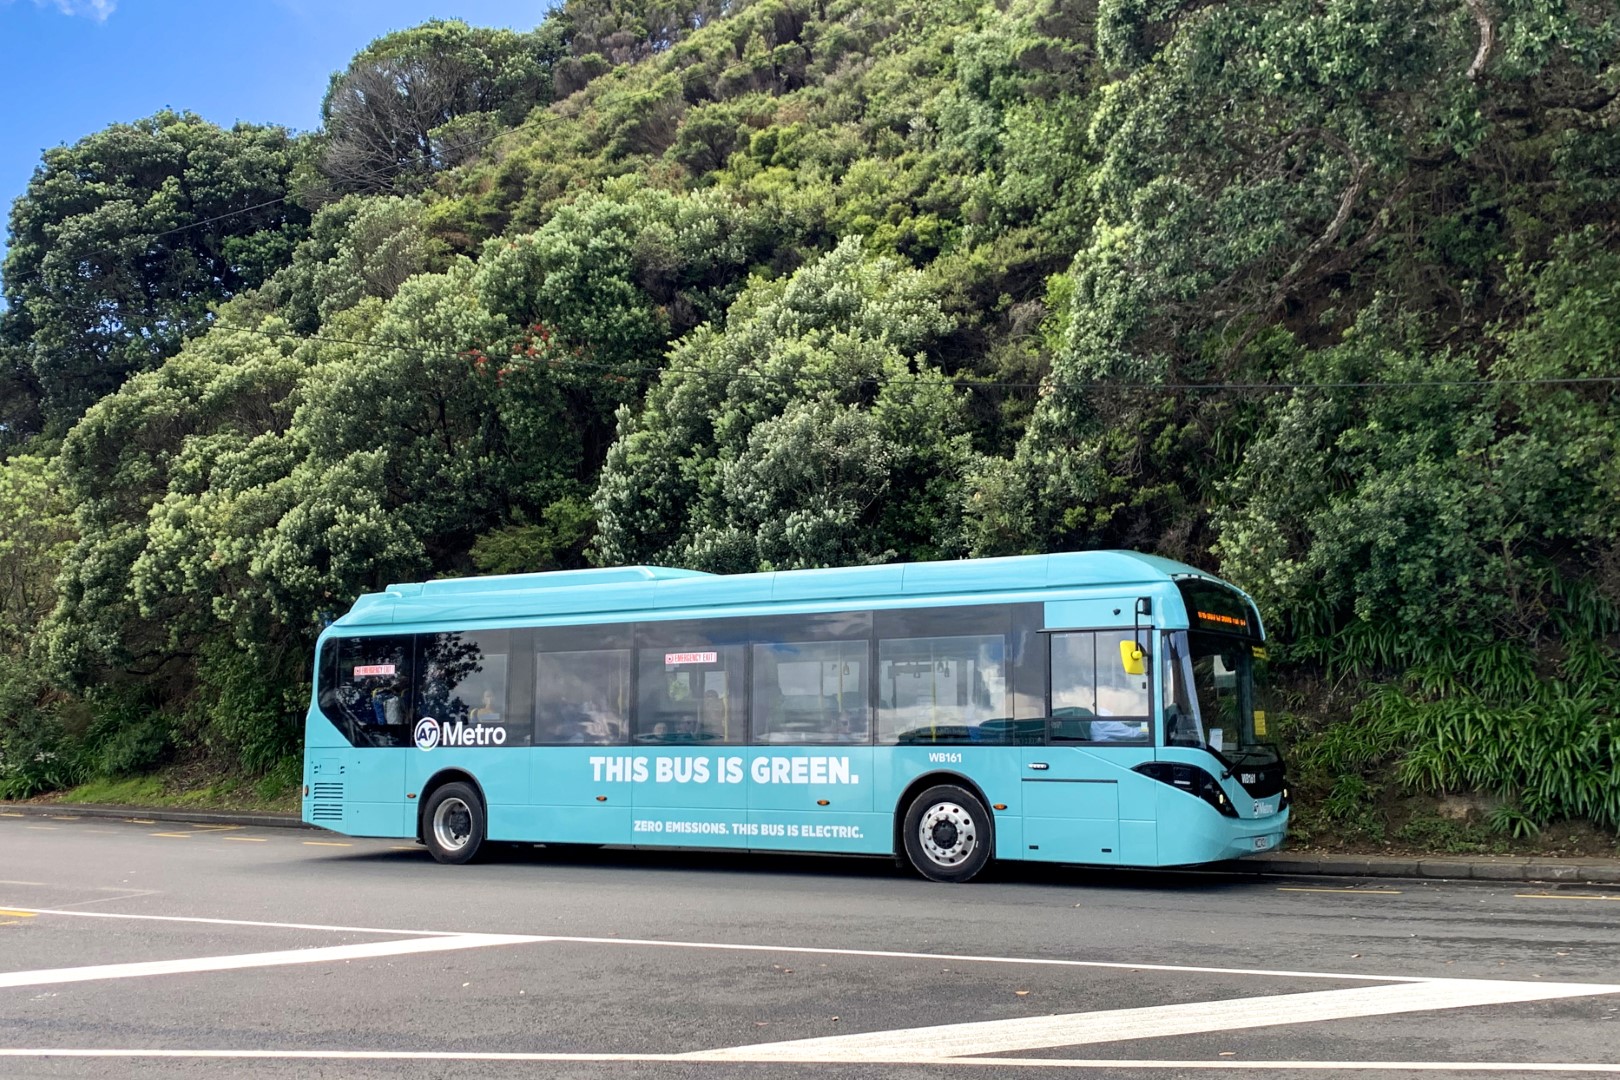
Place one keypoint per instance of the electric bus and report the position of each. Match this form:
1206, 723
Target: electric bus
1092, 708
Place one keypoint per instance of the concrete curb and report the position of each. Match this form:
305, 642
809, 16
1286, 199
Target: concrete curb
1449, 868
1281, 864
70, 811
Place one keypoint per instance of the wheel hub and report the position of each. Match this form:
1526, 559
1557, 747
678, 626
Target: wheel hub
948, 834
452, 824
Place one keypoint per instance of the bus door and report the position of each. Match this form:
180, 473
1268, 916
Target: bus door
810, 770
1076, 787
690, 737
583, 775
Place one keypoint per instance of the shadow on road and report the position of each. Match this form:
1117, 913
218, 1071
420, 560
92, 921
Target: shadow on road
825, 867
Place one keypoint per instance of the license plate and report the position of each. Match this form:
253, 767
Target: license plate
1261, 843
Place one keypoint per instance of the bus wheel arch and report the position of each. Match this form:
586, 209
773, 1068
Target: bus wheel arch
939, 786
453, 820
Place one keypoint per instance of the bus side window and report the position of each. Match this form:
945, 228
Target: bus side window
464, 680
690, 683
1094, 700
366, 688
582, 698
1074, 686
943, 689
811, 692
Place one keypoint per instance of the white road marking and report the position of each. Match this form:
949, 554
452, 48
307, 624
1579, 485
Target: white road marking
1029, 960
330, 955
126, 894
1562, 896
957, 1044
242, 922
1287, 1067
1157, 1021
1110, 1064
780, 949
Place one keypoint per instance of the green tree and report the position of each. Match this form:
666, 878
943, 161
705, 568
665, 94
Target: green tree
418, 101
36, 533
1227, 237
357, 247
124, 241
810, 431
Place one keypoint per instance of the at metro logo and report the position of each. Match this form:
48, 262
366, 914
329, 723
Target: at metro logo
461, 733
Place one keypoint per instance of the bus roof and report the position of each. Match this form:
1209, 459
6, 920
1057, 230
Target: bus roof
661, 592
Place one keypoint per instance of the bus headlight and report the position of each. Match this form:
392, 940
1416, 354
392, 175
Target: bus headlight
1192, 780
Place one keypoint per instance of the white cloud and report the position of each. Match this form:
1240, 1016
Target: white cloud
95, 9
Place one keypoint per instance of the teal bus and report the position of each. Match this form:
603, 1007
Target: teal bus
1086, 707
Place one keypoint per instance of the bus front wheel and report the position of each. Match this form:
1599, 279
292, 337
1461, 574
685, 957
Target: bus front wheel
453, 823
947, 834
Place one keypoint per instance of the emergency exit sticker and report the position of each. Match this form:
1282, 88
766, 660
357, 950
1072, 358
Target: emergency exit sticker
373, 669
671, 659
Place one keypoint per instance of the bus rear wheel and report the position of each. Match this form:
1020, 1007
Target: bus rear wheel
453, 823
947, 834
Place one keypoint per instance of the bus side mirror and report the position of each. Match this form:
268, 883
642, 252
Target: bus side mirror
1132, 658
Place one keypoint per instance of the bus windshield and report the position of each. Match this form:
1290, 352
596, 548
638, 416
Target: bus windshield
1211, 698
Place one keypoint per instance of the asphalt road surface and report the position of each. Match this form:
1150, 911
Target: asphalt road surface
131, 949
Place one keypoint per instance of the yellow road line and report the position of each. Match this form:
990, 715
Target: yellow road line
1561, 896
140, 821
17, 914
324, 843
48, 828
176, 834
201, 827
246, 839
1358, 892
8, 813
407, 847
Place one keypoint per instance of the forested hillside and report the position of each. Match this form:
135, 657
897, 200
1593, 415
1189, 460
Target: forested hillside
1322, 295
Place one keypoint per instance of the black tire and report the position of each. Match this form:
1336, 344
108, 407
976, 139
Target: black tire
453, 823
948, 834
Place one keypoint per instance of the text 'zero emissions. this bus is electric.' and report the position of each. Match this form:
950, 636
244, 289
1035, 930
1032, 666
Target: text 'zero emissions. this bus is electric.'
1091, 708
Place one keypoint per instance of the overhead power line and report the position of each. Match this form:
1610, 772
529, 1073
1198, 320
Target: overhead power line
150, 238
473, 147
959, 383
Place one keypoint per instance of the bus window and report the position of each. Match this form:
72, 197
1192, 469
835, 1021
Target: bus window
1029, 661
1094, 700
583, 698
943, 690
691, 687
464, 680
811, 692
366, 688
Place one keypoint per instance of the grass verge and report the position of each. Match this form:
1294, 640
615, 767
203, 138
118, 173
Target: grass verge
195, 788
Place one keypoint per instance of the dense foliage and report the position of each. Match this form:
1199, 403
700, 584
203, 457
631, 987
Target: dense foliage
1321, 294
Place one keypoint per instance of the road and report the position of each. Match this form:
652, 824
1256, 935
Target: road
145, 950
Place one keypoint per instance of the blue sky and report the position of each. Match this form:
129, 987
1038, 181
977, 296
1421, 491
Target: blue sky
70, 67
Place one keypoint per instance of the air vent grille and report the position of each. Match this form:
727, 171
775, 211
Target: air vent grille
327, 802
